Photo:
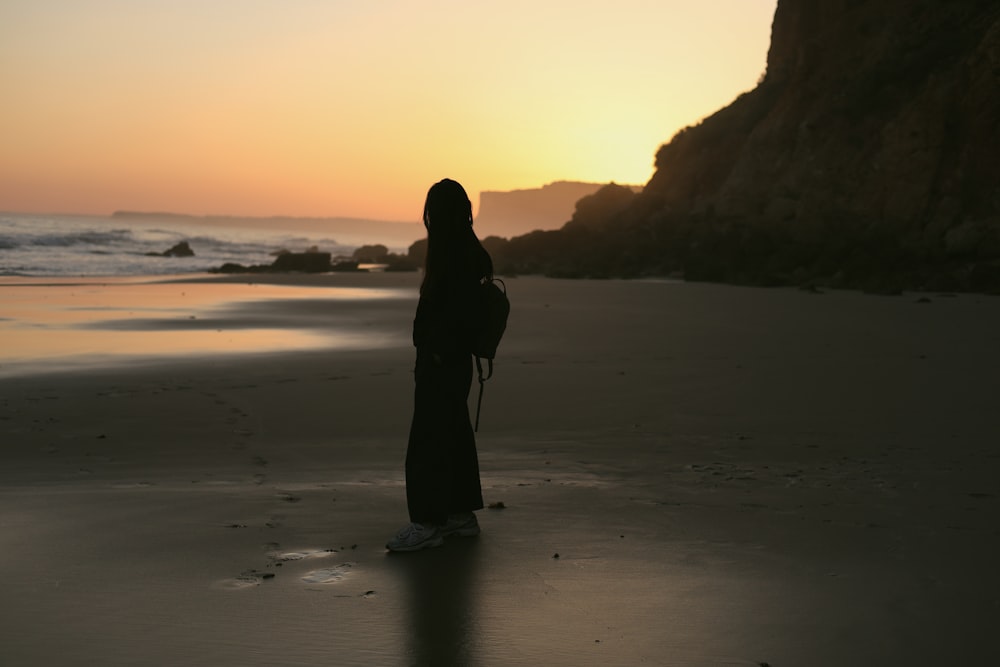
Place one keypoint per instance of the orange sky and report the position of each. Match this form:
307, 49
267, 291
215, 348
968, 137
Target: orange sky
350, 107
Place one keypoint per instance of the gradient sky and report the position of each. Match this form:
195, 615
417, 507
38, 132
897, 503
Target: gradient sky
350, 107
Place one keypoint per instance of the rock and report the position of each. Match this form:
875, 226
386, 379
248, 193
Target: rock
182, 249
232, 267
345, 266
305, 262
401, 264
371, 254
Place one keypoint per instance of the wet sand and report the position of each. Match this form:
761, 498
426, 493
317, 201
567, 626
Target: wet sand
690, 474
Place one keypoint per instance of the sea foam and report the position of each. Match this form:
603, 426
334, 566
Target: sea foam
54, 246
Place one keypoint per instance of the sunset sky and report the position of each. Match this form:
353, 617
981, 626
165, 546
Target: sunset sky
350, 107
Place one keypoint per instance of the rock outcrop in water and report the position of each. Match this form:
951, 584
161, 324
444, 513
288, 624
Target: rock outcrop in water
182, 249
868, 156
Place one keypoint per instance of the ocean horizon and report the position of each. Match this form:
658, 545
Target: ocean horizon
66, 245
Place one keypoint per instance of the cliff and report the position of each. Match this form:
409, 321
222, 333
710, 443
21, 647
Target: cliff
866, 157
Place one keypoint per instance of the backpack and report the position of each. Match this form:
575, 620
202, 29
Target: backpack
490, 321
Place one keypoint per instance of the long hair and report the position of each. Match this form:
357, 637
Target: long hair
454, 253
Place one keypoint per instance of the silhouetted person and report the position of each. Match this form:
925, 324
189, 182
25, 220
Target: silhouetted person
442, 468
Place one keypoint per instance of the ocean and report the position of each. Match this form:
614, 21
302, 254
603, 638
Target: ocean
80, 292
94, 246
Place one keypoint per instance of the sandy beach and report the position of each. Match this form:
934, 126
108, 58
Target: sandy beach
689, 474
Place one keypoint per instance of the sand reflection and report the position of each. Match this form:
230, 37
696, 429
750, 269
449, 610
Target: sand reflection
92, 321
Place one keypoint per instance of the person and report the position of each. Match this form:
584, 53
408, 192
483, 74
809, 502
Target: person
443, 489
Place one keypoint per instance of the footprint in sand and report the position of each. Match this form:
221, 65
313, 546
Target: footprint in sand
301, 555
329, 575
244, 580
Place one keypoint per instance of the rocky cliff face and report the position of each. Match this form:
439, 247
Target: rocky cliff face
876, 130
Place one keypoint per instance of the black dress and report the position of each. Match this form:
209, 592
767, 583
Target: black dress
442, 467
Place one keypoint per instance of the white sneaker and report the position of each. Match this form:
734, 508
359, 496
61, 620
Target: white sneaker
414, 537
464, 525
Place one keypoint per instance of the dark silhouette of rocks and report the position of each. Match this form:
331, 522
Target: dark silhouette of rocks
288, 262
346, 265
371, 254
378, 254
596, 210
314, 261
866, 158
310, 261
182, 249
515, 212
402, 263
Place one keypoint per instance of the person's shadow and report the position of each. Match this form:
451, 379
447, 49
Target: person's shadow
442, 602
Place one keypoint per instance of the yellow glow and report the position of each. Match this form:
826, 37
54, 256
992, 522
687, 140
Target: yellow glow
348, 107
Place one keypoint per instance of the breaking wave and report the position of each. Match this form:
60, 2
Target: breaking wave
92, 246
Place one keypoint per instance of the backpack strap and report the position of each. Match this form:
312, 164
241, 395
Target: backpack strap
482, 380
489, 369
